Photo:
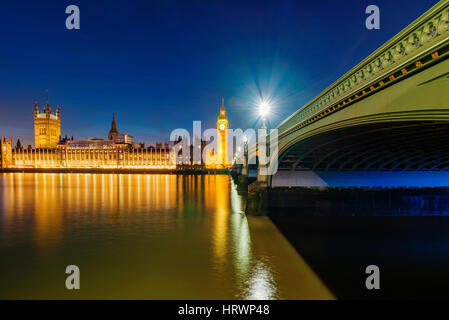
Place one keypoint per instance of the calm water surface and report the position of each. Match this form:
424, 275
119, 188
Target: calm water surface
142, 237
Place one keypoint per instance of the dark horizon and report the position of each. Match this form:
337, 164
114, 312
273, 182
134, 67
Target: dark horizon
161, 65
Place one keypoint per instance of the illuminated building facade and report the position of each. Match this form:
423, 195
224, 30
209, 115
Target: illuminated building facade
105, 156
47, 127
6, 158
222, 135
116, 152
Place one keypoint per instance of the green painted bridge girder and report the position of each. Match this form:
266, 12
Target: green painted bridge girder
426, 37
421, 97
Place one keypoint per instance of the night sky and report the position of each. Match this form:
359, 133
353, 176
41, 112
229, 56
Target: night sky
159, 65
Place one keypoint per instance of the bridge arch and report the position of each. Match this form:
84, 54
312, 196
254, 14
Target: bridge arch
388, 114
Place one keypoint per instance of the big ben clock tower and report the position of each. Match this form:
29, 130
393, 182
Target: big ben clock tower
222, 135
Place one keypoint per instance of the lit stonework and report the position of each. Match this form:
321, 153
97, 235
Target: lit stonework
6, 157
117, 152
47, 127
222, 133
110, 156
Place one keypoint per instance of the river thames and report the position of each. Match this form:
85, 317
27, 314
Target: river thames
142, 237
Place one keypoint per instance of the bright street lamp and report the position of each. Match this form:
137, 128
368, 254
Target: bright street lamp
264, 109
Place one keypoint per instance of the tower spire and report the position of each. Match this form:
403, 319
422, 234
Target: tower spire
113, 131
222, 109
47, 105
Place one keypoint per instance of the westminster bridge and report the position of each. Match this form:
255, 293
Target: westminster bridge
384, 123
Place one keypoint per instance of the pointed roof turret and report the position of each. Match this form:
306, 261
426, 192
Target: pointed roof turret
36, 109
47, 105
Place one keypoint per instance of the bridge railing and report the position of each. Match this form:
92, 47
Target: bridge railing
423, 36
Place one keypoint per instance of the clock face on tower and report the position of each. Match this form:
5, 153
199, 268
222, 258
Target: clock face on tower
222, 126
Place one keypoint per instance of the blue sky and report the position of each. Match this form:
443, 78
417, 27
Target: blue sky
159, 65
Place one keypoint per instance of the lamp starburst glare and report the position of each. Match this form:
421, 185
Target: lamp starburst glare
264, 108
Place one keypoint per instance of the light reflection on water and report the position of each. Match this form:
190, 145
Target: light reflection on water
142, 237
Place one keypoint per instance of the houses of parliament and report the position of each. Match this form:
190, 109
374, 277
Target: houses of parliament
118, 151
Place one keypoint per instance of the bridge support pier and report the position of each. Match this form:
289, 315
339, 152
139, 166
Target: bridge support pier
257, 199
244, 171
262, 177
241, 178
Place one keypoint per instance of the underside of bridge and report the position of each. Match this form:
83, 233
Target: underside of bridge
379, 154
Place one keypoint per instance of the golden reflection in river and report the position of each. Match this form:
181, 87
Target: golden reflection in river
53, 195
253, 272
14, 206
240, 235
48, 218
157, 236
219, 191
261, 285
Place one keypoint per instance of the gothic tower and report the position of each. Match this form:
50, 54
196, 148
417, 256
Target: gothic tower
222, 135
47, 127
113, 131
5, 153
